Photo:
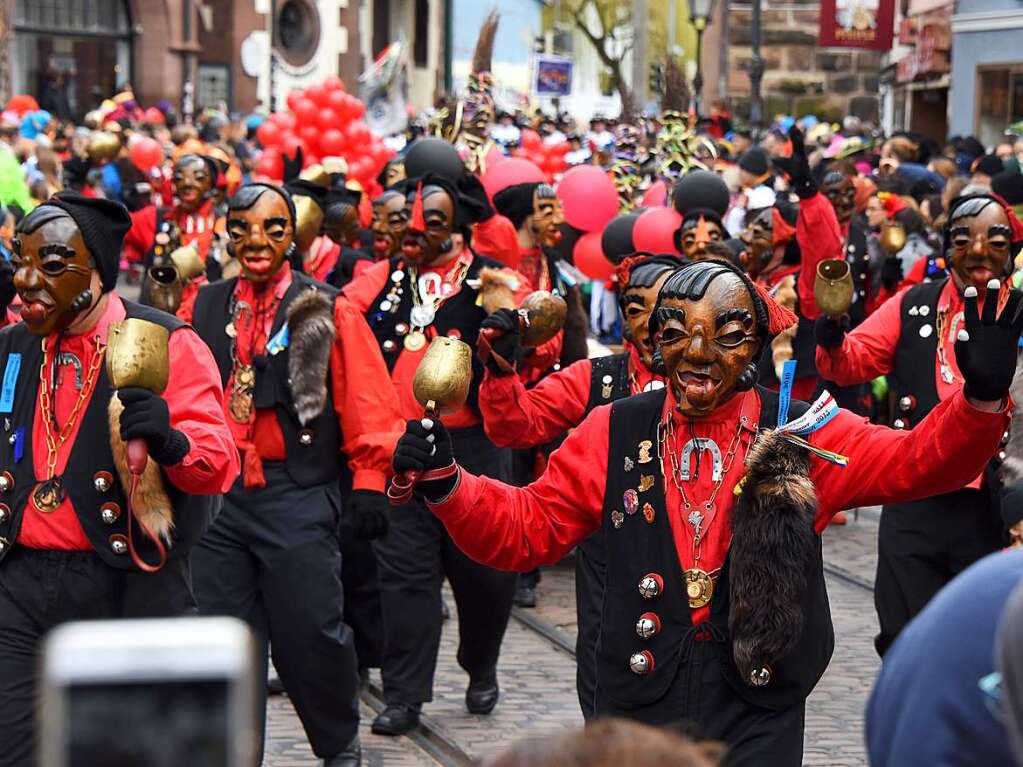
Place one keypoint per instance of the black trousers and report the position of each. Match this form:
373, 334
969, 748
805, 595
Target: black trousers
272, 558
923, 545
703, 704
413, 560
363, 613
42, 589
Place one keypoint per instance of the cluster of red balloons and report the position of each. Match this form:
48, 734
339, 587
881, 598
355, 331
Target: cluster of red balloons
590, 202
324, 121
550, 158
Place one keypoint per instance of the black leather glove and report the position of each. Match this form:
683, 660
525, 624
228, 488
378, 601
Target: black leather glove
472, 188
986, 351
830, 333
368, 509
891, 273
292, 167
6, 284
146, 416
506, 323
803, 183
426, 445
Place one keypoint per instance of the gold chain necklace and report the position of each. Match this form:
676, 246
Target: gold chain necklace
698, 582
49, 492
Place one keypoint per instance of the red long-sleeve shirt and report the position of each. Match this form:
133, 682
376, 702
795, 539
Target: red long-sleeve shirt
515, 528
196, 229
514, 416
820, 237
193, 397
362, 291
369, 415
498, 239
324, 255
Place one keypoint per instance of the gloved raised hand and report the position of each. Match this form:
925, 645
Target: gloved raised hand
986, 349
425, 447
803, 183
146, 416
501, 331
7, 291
830, 333
292, 166
368, 510
891, 272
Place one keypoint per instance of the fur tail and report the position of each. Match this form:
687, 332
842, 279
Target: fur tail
773, 547
311, 334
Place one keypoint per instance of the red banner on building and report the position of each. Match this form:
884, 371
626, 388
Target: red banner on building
857, 24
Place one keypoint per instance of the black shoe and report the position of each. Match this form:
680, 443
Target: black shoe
350, 757
481, 696
275, 686
397, 719
525, 596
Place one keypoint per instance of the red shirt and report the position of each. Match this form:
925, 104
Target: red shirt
497, 238
362, 293
537, 525
368, 414
196, 229
193, 397
819, 237
517, 417
322, 258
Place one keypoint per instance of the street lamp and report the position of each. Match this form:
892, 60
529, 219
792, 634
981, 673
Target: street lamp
699, 15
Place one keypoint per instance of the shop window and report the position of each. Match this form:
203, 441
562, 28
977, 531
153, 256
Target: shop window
999, 101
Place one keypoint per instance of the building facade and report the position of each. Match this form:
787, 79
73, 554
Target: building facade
987, 68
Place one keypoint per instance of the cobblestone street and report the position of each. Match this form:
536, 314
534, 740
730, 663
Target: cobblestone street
538, 678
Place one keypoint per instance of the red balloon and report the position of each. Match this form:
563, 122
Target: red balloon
337, 100
655, 230
331, 142
333, 83
318, 94
154, 116
656, 195
531, 139
589, 198
358, 109
269, 133
291, 144
294, 97
506, 173
328, 119
306, 112
309, 134
146, 154
589, 257
270, 165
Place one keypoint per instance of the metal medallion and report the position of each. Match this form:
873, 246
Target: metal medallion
415, 341
617, 518
699, 587
631, 500
646, 481
644, 451
48, 494
648, 513
422, 315
629, 464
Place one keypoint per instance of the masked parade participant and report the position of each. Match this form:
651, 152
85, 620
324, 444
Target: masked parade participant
298, 366
701, 197
432, 288
342, 228
923, 544
192, 220
867, 296
707, 498
517, 417
66, 519
535, 212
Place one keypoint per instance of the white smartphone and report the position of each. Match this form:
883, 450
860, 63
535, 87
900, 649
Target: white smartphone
171, 692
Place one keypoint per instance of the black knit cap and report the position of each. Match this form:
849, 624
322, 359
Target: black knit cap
516, 202
989, 165
755, 161
1009, 186
103, 224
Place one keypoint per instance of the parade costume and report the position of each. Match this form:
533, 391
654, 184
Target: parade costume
432, 288
294, 360
517, 417
911, 338
715, 609
72, 541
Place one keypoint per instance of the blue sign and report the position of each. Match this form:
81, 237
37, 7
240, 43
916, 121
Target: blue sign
553, 76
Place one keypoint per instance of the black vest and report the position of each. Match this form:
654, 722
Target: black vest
311, 462
609, 380
90, 455
912, 379
638, 548
858, 256
459, 316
